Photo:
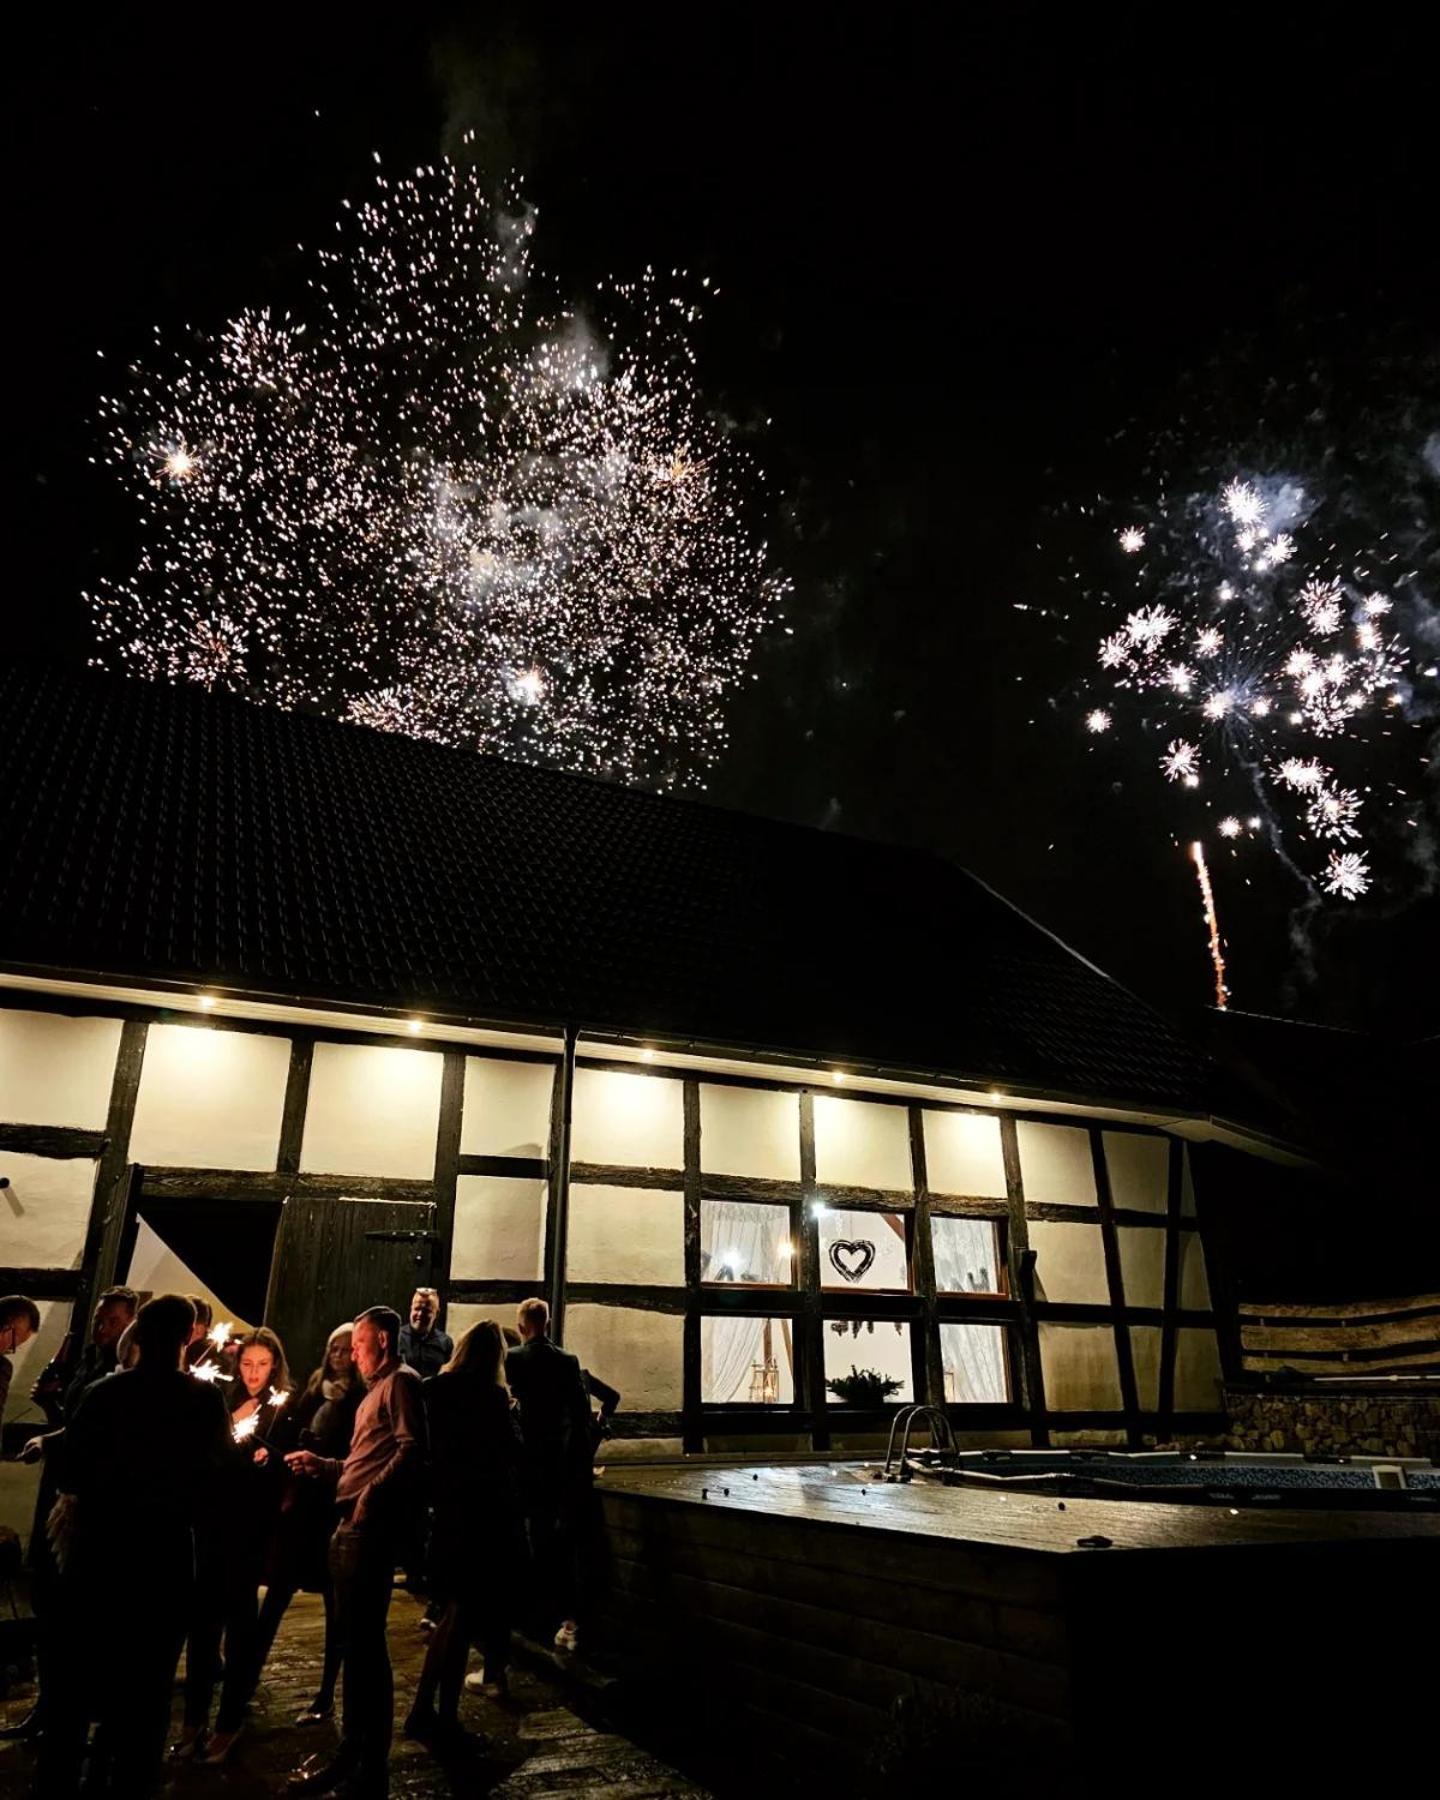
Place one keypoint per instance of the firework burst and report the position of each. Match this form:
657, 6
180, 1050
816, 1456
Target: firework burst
443, 504
1285, 656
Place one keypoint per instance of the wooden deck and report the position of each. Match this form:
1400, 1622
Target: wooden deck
825, 1626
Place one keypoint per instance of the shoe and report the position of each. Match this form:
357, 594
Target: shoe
220, 1745
566, 1638
422, 1724
23, 1731
317, 1712
321, 1774
188, 1744
475, 1683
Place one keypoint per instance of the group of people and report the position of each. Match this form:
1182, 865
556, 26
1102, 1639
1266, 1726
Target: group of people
192, 1488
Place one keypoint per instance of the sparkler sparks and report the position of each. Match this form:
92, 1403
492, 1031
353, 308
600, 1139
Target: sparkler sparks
444, 504
1346, 874
1097, 721
1132, 540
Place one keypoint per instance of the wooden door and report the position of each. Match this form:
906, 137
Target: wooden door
334, 1257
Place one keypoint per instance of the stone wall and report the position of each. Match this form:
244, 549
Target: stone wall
1357, 1422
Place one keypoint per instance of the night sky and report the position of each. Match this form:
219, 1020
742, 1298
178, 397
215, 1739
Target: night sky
966, 268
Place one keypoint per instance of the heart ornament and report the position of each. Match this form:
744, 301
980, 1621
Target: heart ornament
851, 1257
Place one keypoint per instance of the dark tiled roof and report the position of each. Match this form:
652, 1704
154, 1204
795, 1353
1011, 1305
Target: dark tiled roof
163, 833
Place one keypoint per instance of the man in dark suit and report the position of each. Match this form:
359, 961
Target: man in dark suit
555, 1425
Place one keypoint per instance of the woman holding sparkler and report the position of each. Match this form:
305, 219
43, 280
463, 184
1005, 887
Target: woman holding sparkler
230, 1553
478, 1540
323, 1420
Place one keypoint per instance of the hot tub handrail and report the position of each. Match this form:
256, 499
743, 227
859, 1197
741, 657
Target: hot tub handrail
940, 1429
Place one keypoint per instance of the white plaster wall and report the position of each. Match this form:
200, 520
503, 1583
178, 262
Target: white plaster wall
860, 1145
625, 1234
45, 1210
507, 1108
1069, 1263
1055, 1164
1139, 1170
746, 1131
638, 1120
1145, 1354
29, 1360
1194, 1284
372, 1111
724, 1329
888, 1271
885, 1350
963, 1155
55, 1070
638, 1352
499, 1229
1142, 1265
1197, 1370
210, 1099
1079, 1369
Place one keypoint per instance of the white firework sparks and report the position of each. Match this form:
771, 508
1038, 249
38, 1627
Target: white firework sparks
1282, 656
1332, 813
1132, 540
444, 504
1181, 762
1243, 503
1321, 604
1097, 721
1347, 874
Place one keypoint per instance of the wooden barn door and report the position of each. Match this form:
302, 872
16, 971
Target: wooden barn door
334, 1257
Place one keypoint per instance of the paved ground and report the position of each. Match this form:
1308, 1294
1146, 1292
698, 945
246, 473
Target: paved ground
532, 1745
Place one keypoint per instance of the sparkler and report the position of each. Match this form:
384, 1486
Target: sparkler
441, 503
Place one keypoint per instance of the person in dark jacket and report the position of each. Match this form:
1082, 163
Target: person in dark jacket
424, 1347
58, 1393
555, 1427
478, 1541
142, 1453
322, 1420
231, 1543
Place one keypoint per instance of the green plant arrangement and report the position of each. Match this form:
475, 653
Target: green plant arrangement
863, 1387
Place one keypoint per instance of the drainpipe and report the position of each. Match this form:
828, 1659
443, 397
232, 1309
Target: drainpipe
560, 1190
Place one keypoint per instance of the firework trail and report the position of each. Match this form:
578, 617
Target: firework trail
441, 503
1239, 658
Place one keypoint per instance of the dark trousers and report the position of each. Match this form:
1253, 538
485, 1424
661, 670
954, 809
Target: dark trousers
272, 1610
127, 1693
476, 1616
227, 1605
362, 1573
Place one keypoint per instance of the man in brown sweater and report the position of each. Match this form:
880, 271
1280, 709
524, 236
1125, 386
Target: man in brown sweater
377, 1488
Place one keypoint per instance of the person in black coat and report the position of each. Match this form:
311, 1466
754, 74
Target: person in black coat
322, 1420
477, 1542
143, 1449
555, 1426
231, 1543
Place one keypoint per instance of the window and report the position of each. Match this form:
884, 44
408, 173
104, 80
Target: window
868, 1361
864, 1250
746, 1242
747, 1362
973, 1358
967, 1256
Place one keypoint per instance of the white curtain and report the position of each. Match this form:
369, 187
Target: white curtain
740, 1239
974, 1355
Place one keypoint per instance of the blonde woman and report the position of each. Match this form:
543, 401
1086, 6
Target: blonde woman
477, 1543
